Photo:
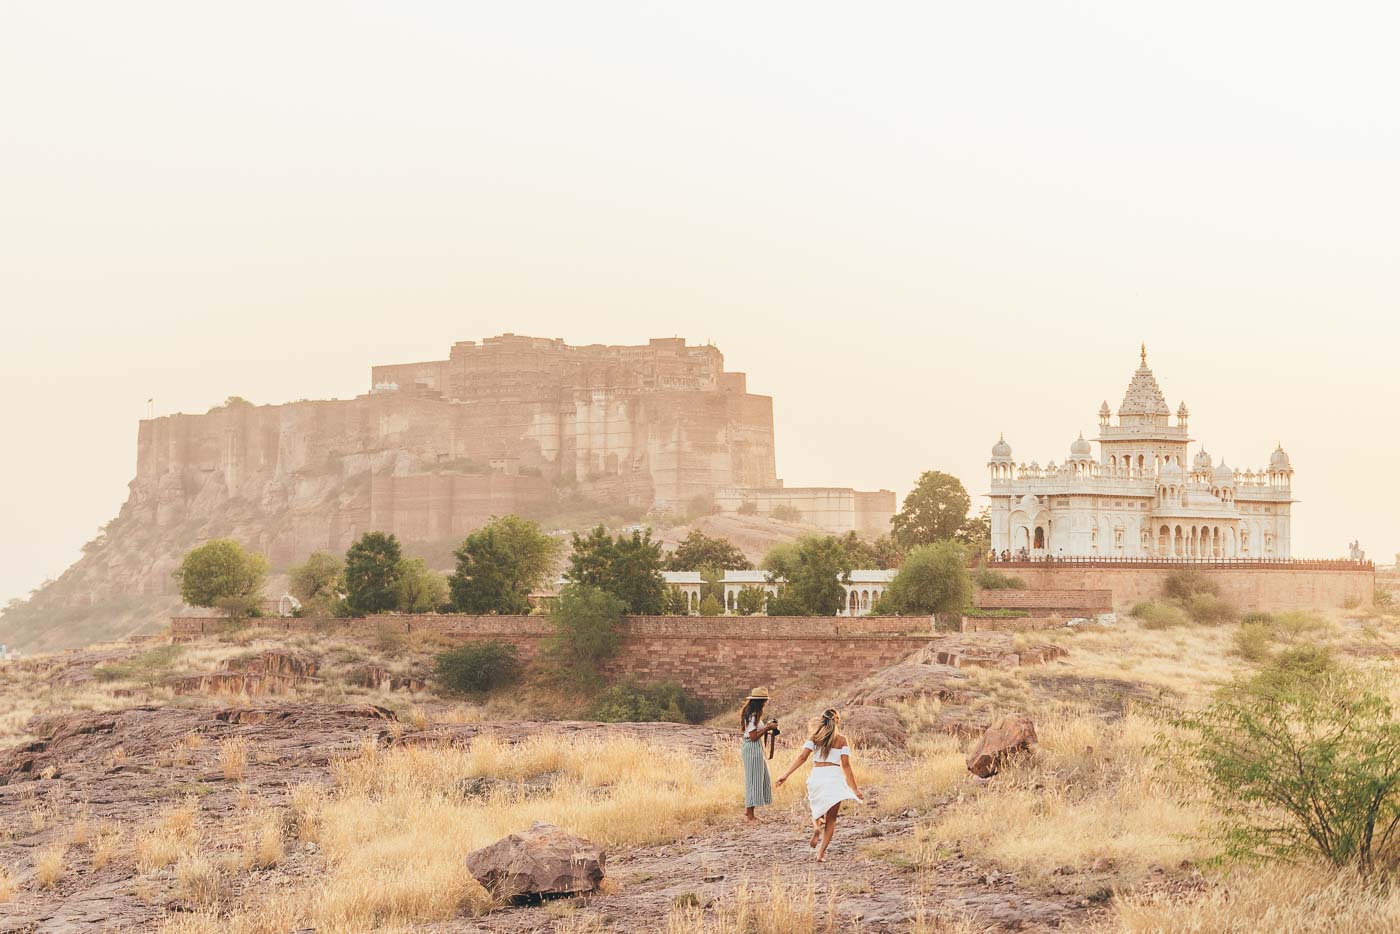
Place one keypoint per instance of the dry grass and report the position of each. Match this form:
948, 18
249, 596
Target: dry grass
1280, 900
262, 842
8, 886
395, 829
775, 909
937, 767
233, 758
173, 835
1093, 791
198, 881
48, 864
105, 844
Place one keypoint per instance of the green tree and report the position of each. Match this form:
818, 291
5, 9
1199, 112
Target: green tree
628, 567
815, 567
478, 667
499, 564
586, 622
698, 551
710, 606
785, 512
419, 588
317, 583
372, 574
1301, 760
677, 602
751, 600
934, 579
934, 510
224, 574
976, 531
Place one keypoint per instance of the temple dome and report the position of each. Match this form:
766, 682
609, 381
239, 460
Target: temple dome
1279, 460
1080, 449
1001, 448
1224, 475
1170, 471
1202, 460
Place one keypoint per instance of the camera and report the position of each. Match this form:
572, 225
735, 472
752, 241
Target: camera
774, 722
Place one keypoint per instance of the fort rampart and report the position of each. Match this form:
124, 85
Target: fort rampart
715, 658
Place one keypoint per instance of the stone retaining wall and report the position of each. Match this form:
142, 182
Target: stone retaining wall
1263, 589
716, 658
1047, 602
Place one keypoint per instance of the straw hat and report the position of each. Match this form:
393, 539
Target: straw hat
758, 694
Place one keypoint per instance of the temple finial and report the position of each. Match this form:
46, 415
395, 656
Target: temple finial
1144, 353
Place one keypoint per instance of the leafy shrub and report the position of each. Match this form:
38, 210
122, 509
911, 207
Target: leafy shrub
934, 579
711, 606
751, 600
1159, 615
1210, 610
1301, 760
1183, 585
785, 513
586, 622
630, 702
1298, 623
1258, 617
478, 667
987, 579
1253, 641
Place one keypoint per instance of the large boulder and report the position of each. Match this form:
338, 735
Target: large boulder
908, 680
543, 860
873, 727
1009, 736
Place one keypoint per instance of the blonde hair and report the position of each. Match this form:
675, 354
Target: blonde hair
825, 733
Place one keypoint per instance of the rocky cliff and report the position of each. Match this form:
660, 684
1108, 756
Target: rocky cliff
432, 450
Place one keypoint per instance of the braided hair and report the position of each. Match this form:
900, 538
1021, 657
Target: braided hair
825, 734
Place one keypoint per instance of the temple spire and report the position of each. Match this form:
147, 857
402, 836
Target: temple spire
1144, 353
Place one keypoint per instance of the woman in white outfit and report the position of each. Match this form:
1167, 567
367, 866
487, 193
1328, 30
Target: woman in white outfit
831, 781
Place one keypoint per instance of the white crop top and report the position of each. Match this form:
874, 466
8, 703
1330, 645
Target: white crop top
752, 725
831, 758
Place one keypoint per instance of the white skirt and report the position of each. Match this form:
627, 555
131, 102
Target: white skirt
826, 785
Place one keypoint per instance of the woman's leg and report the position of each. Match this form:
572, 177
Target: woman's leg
828, 830
817, 824
748, 814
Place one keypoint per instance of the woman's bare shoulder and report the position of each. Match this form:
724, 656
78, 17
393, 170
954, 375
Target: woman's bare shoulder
839, 740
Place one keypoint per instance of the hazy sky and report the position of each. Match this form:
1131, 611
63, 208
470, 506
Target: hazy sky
915, 226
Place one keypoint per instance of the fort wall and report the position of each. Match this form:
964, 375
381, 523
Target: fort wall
716, 658
1263, 589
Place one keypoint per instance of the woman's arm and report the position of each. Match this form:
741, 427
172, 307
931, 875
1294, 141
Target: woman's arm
850, 776
761, 732
800, 759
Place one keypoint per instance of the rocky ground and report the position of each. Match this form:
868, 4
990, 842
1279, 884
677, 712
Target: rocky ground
125, 767
100, 769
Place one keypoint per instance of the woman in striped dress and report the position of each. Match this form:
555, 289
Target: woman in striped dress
758, 787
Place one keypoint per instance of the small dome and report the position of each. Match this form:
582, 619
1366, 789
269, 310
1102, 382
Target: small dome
1001, 448
1279, 459
1224, 475
1080, 449
1029, 501
1170, 471
1104, 410
1182, 411
1202, 460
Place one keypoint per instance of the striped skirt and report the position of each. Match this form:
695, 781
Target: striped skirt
758, 789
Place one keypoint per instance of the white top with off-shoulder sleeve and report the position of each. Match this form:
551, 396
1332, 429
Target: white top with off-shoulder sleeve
832, 757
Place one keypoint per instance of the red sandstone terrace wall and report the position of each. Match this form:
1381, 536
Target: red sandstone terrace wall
1263, 589
715, 658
